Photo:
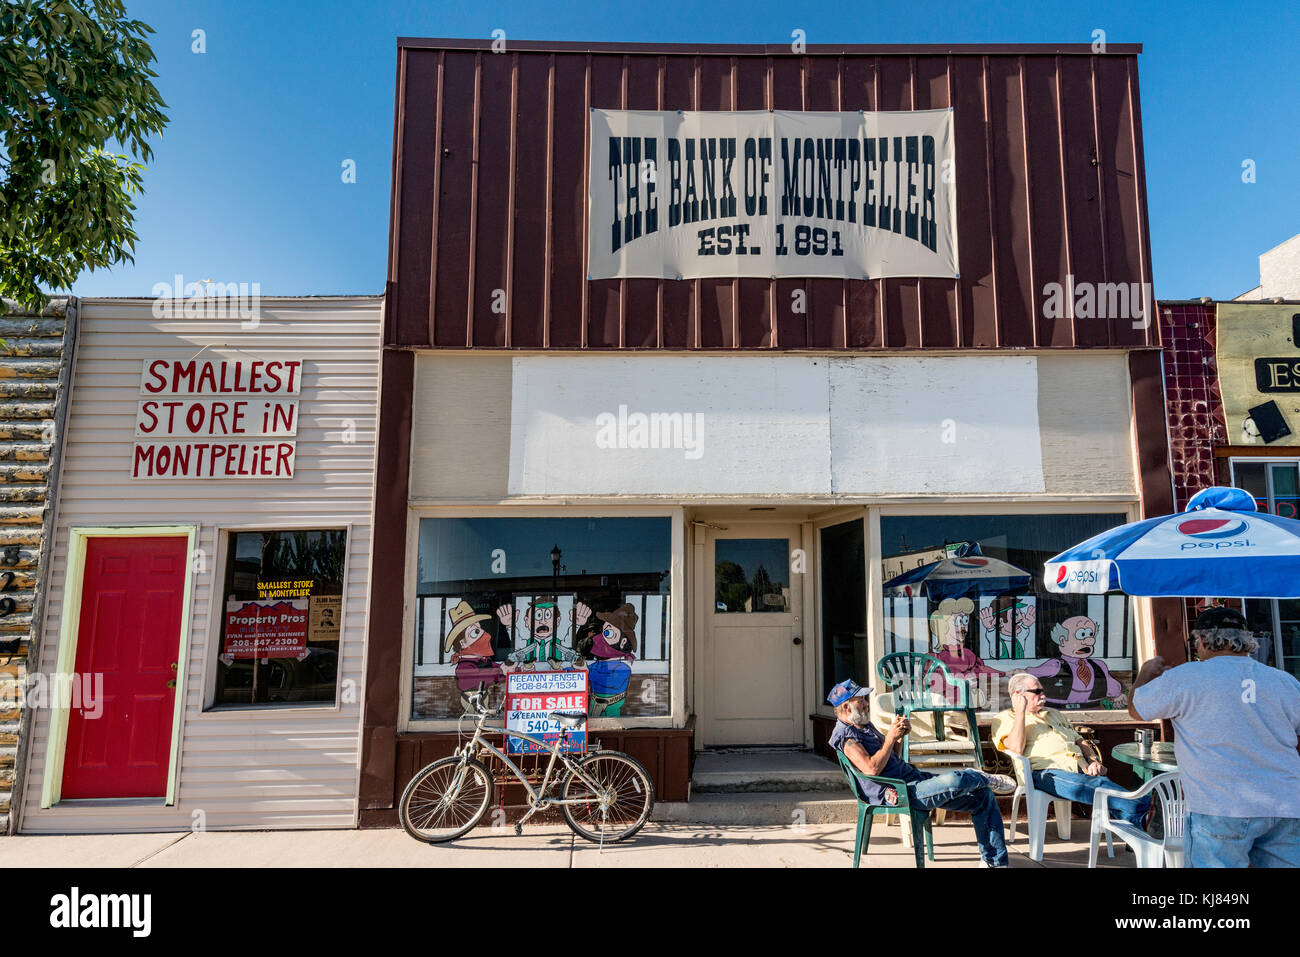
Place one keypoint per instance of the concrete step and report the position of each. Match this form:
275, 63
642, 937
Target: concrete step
764, 771
760, 808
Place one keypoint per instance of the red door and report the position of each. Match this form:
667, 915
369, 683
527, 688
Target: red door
132, 598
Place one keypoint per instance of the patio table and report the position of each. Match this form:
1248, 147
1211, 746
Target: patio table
1160, 758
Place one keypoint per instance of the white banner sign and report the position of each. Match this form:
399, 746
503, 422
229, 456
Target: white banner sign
683, 195
205, 410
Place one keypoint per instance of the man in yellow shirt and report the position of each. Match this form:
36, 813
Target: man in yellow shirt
1062, 763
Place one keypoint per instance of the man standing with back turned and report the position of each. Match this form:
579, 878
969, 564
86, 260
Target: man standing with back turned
1236, 724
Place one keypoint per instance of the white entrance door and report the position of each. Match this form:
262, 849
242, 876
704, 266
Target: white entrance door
753, 643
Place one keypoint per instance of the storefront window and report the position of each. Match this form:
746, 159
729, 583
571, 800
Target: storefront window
281, 617
969, 590
494, 595
844, 605
752, 575
1275, 621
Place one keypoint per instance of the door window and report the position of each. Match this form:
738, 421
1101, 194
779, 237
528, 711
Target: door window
751, 575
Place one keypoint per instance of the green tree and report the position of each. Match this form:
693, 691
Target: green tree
74, 76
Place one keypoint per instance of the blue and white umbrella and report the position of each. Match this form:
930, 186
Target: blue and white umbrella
965, 572
1220, 546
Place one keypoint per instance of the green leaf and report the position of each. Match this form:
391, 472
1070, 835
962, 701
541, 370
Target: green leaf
73, 75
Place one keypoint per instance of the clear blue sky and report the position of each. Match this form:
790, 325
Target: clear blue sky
245, 183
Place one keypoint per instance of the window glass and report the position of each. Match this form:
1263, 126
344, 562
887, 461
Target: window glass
1276, 623
752, 575
969, 590
282, 617
495, 595
843, 605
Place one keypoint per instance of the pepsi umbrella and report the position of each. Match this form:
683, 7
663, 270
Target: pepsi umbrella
965, 572
1220, 546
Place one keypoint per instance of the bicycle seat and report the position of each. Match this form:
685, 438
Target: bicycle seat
569, 719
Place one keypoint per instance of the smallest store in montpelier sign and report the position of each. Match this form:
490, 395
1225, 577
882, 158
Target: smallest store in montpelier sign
217, 418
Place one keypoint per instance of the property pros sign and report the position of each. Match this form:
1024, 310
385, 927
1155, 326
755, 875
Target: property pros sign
531, 696
195, 416
682, 195
266, 629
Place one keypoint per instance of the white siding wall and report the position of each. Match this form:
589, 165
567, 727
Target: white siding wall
283, 767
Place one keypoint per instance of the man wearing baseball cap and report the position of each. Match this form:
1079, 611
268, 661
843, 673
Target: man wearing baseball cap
1236, 726
968, 789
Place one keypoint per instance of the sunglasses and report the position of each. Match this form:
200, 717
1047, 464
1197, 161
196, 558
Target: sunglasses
1038, 691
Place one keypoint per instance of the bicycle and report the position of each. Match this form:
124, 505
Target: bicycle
450, 796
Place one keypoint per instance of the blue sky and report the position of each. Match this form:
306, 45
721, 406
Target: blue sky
245, 184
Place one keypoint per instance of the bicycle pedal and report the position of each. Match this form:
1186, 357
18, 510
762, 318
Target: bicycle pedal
519, 829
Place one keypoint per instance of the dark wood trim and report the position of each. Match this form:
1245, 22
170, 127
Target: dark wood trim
387, 580
668, 755
1257, 451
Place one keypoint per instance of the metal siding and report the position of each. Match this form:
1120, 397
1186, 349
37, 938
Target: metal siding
249, 768
1050, 182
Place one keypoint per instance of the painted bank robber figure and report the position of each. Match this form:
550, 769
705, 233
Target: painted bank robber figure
611, 651
476, 667
541, 621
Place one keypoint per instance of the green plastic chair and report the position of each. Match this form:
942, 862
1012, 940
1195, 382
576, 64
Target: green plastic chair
920, 818
910, 676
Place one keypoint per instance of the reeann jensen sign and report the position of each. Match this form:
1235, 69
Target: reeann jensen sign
682, 195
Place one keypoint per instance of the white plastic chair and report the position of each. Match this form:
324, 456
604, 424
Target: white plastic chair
1150, 852
1036, 802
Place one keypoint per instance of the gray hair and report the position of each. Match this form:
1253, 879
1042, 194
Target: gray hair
1018, 681
1237, 641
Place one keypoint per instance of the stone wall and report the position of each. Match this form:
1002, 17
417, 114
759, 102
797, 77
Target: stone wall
35, 364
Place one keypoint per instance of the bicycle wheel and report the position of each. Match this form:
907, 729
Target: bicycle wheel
442, 802
619, 804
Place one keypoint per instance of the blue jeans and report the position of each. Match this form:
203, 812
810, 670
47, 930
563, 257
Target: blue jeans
1216, 841
965, 791
1077, 786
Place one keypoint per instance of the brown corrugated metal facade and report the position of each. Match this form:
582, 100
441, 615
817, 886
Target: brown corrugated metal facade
489, 194
489, 200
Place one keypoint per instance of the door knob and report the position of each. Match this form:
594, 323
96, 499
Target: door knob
171, 683
798, 640
173, 666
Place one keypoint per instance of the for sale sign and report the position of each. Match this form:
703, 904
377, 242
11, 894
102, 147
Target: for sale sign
531, 696
266, 629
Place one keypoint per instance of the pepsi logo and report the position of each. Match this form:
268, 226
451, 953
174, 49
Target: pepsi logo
1060, 575
1212, 527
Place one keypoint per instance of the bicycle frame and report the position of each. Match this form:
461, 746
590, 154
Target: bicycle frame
537, 799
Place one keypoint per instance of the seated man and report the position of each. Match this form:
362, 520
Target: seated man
966, 790
1062, 764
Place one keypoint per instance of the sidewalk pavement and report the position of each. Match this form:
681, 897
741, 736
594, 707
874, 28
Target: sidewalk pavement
657, 845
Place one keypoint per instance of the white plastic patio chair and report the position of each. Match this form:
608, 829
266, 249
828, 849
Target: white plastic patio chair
1036, 802
1150, 851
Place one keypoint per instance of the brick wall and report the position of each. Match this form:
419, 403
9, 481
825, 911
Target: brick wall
1193, 406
